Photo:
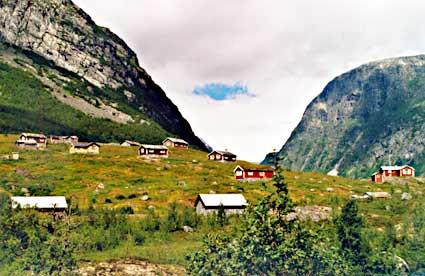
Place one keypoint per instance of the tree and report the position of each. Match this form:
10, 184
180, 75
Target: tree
221, 216
349, 229
268, 244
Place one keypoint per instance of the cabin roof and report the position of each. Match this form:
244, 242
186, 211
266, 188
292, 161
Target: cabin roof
395, 168
222, 152
85, 145
176, 140
38, 135
227, 200
254, 167
41, 202
161, 147
131, 143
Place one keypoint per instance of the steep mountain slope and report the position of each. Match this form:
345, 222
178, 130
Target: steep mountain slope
85, 66
363, 119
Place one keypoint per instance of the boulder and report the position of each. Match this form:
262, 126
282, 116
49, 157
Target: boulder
314, 213
145, 198
187, 229
151, 207
312, 190
377, 195
406, 196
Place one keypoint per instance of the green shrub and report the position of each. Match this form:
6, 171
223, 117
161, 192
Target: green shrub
126, 210
108, 201
138, 238
40, 189
131, 196
120, 197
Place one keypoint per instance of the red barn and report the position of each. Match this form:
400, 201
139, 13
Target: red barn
253, 172
393, 171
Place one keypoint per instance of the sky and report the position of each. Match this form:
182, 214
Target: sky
243, 71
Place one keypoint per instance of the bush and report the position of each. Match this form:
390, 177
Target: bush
172, 223
131, 196
120, 197
152, 223
40, 189
126, 210
138, 238
108, 200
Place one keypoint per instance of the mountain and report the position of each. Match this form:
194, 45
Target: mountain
77, 77
370, 116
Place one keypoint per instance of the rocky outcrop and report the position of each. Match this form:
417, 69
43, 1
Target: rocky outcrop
62, 33
365, 118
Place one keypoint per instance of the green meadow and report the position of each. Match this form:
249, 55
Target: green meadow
117, 178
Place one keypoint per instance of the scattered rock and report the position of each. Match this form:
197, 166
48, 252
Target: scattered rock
181, 183
23, 172
100, 186
312, 190
187, 229
406, 196
194, 161
398, 191
377, 195
25, 190
329, 190
158, 169
314, 213
167, 167
145, 198
388, 208
291, 217
126, 267
214, 183
212, 192
151, 207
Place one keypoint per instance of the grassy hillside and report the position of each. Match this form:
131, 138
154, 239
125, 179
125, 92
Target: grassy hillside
180, 178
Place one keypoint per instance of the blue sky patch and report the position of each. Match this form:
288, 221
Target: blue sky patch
220, 91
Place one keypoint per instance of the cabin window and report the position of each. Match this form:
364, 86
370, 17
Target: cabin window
238, 173
151, 151
250, 173
226, 157
262, 174
234, 158
162, 151
406, 171
217, 156
212, 157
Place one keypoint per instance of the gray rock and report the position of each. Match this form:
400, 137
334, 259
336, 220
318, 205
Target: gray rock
312, 190
151, 207
145, 198
406, 196
187, 229
329, 190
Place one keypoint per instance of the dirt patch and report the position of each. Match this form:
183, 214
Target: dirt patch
128, 267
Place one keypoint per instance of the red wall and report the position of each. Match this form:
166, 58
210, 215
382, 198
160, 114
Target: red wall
255, 175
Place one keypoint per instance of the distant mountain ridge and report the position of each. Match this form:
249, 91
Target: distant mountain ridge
365, 118
86, 67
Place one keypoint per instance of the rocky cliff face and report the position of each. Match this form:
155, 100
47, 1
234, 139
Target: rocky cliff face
370, 116
61, 33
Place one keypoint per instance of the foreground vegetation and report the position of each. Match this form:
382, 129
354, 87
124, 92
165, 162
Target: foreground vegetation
109, 220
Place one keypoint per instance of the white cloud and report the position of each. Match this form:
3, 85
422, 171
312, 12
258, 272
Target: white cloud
284, 51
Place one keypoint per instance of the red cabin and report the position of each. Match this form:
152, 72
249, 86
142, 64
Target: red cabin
251, 172
392, 171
